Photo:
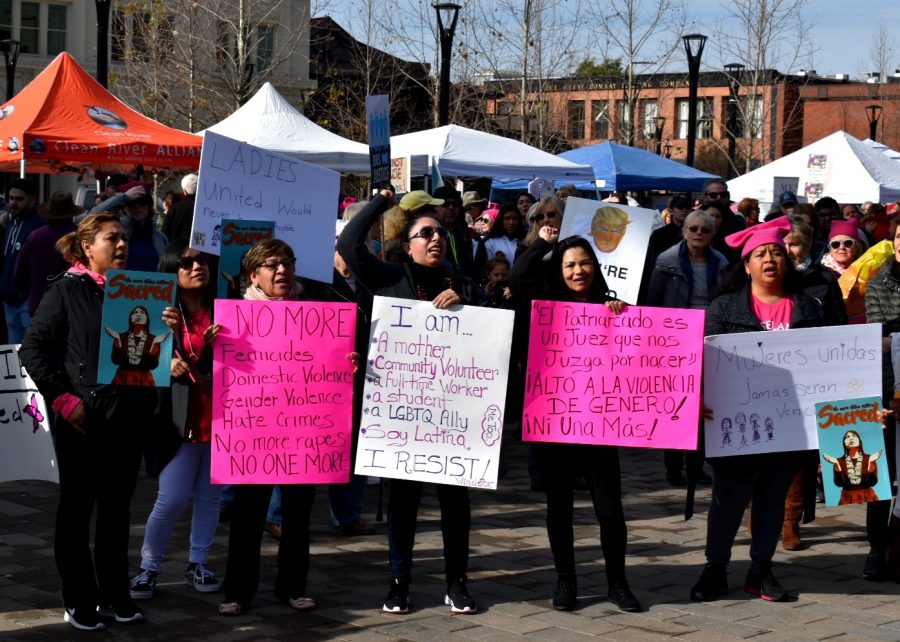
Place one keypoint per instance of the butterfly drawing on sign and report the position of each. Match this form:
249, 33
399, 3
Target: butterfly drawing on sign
35, 412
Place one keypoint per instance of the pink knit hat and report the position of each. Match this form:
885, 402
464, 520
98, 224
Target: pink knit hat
493, 213
772, 231
844, 228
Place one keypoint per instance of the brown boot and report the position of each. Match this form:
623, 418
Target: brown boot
793, 510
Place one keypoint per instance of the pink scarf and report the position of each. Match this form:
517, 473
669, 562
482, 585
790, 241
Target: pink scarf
80, 268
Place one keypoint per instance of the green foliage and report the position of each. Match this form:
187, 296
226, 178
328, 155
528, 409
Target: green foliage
590, 68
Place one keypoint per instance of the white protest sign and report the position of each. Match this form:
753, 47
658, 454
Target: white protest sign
434, 394
26, 447
763, 386
619, 235
241, 181
782, 184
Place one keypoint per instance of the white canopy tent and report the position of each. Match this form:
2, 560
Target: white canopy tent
884, 149
458, 151
269, 121
838, 165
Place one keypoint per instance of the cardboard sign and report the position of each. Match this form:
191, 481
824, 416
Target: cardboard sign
435, 389
400, 174
851, 450
26, 447
282, 392
618, 234
763, 387
237, 237
595, 377
135, 344
782, 184
242, 181
378, 120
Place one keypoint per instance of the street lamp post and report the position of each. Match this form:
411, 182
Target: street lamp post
734, 71
103, 41
10, 49
660, 123
668, 148
693, 46
447, 13
873, 112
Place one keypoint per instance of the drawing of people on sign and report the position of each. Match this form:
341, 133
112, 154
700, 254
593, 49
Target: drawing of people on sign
856, 472
726, 432
136, 351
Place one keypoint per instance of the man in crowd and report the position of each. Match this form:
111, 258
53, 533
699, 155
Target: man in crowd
19, 220
177, 224
459, 246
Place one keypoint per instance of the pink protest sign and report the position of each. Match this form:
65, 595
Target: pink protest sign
595, 377
282, 392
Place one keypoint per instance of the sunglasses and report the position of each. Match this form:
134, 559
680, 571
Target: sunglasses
485, 219
537, 218
274, 263
696, 229
428, 233
717, 194
187, 262
846, 244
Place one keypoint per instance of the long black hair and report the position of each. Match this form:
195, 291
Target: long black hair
557, 286
168, 263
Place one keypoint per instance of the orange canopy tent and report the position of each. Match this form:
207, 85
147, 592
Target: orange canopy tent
64, 120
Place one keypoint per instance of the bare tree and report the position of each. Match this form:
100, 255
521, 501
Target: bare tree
881, 55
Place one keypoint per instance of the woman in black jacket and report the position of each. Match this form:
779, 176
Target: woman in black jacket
99, 430
424, 277
183, 456
573, 274
766, 296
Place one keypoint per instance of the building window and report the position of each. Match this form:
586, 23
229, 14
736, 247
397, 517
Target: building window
30, 28
6, 22
704, 118
599, 119
56, 29
624, 117
749, 118
649, 112
265, 47
576, 120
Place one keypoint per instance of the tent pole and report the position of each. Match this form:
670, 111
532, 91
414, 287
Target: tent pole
22, 167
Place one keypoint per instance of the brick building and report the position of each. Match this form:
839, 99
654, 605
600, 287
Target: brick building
769, 121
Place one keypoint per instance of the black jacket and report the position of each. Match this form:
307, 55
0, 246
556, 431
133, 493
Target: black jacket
387, 279
61, 352
177, 224
732, 312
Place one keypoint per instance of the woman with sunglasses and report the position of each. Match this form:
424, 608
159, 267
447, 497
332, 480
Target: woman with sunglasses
269, 266
182, 458
844, 246
688, 275
573, 274
422, 277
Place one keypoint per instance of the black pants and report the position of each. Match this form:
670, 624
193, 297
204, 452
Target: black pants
762, 480
96, 470
456, 518
878, 514
251, 503
600, 465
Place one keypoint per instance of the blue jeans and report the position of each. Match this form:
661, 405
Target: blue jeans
347, 499
187, 474
17, 321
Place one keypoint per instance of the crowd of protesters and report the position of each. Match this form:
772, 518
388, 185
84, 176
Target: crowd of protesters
749, 272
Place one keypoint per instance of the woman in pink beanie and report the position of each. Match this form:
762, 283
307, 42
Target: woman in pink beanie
844, 246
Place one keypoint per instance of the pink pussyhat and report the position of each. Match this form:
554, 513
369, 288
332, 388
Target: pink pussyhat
844, 228
493, 213
772, 231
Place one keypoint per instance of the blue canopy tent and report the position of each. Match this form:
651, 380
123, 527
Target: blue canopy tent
619, 168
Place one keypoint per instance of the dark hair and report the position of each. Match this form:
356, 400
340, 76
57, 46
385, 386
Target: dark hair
70, 244
558, 287
168, 263
497, 227
714, 181
717, 204
494, 262
681, 201
25, 185
411, 223
862, 450
737, 277
257, 254
522, 193
826, 202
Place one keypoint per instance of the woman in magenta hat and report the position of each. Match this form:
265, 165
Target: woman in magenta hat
844, 246
763, 294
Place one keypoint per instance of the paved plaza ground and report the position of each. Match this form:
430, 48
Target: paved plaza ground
511, 575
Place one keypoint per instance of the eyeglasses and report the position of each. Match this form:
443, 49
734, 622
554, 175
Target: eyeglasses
187, 262
537, 218
486, 219
717, 194
846, 244
274, 263
696, 229
428, 233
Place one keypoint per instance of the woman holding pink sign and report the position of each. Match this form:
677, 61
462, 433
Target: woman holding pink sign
573, 274
764, 293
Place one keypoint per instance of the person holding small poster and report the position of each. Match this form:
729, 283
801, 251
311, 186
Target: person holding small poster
573, 274
765, 294
423, 276
99, 430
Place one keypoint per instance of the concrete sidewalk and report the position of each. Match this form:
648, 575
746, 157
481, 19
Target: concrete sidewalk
511, 575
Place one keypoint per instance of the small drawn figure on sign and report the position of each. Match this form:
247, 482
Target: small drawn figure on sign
770, 429
726, 432
491, 425
754, 421
217, 234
